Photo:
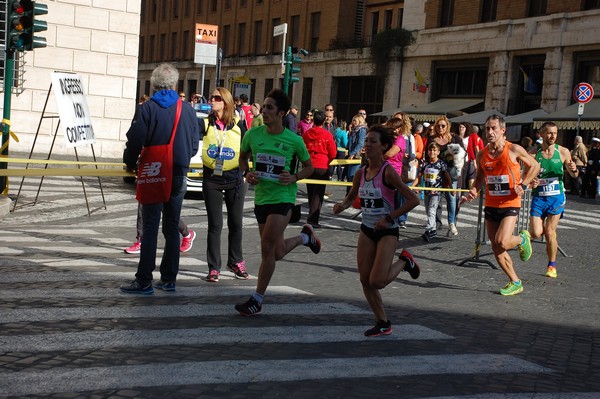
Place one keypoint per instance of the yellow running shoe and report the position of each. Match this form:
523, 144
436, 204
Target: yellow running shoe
551, 272
512, 288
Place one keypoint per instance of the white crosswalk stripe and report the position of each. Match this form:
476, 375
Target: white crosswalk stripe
71, 308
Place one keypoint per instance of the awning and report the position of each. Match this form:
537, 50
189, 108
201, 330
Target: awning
526, 117
390, 112
478, 118
444, 106
567, 118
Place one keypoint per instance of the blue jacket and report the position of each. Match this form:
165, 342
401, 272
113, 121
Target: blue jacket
152, 125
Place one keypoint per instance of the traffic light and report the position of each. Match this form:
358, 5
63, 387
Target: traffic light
292, 67
22, 25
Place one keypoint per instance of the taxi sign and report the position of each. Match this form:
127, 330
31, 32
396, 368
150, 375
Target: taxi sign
583, 93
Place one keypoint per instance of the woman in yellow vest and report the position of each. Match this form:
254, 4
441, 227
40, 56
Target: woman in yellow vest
222, 134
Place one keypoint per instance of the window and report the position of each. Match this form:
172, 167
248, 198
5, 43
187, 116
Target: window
186, 7
175, 9
257, 37
315, 28
151, 47
488, 10
591, 4
225, 43
186, 44
529, 77
162, 47
537, 8
163, 10
295, 31
154, 10
268, 86
447, 13
241, 39
387, 19
400, 17
276, 41
199, 4
461, 79
174, 47
306, 102
243, 4
141, 50
259, 1
143, 11
213, 5
228, 4
374, 23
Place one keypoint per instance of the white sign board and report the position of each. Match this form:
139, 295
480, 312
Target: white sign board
75, 119
206, 44
280, 29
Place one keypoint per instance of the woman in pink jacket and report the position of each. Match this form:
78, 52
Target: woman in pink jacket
321, 147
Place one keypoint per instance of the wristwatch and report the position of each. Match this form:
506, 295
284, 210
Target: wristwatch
524, 186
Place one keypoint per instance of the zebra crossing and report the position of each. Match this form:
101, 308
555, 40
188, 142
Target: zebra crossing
66, 330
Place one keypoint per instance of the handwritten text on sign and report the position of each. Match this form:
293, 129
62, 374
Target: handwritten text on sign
73, 109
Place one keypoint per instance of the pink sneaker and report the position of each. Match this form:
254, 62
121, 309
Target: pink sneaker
187, 242
239, 269
213, 276
135, 248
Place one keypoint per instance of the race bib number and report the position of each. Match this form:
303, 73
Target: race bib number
498, 185
548, 187
430, 176
269, 167
371, 201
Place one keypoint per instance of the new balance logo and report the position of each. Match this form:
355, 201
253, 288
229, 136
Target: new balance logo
150, 169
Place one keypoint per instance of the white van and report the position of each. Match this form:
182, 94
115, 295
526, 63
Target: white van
194, 184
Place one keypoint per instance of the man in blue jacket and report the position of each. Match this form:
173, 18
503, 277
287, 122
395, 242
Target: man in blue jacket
152, 125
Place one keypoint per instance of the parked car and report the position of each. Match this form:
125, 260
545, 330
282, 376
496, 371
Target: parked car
194, 184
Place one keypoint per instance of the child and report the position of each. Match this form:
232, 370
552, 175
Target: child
434, 172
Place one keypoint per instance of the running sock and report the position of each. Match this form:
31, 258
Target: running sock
551, 264
522, 239
517, 282
305, 238
258, 297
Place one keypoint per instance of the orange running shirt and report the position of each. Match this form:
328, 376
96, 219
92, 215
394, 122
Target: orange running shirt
502, 174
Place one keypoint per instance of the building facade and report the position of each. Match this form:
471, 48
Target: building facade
514, 56
99, 41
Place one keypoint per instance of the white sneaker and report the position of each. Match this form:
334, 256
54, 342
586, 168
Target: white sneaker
453, 230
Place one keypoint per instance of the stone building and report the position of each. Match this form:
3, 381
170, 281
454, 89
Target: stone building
97, 40
510, 55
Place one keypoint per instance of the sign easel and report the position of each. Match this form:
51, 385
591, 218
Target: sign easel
77, 127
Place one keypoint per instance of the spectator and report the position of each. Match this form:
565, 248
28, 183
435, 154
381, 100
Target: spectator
258, 119
247, 108
305, 123
289, 121
152, 125
223, 181
321, 147
356, 141
590, 180
579, 156
341, 142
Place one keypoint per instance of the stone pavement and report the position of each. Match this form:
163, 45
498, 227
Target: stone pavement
67, 331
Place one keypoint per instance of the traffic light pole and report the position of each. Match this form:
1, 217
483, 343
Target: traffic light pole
9, 63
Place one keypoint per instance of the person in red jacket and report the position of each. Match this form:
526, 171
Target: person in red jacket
321, 147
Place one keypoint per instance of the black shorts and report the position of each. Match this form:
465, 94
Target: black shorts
497, 214
376, 235
262, 211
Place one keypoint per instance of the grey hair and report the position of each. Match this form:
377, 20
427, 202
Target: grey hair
164, 77
578, 139
475, 129
418, 128
499, 118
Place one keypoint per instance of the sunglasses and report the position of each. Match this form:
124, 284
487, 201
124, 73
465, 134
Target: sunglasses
441, 125
216, 98
309, 114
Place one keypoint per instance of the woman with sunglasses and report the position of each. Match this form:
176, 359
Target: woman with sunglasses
222, 134
442, 136
305, 123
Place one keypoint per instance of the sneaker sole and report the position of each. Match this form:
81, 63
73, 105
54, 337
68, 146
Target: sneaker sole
248, 314
170, 289
387, 332
131, 252
516, 292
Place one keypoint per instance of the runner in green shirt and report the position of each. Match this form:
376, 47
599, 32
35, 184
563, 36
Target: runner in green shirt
272, 148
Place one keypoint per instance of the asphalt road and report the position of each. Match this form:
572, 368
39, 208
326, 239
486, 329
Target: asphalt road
67, 331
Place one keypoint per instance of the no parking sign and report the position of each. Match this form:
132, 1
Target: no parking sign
583, 93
